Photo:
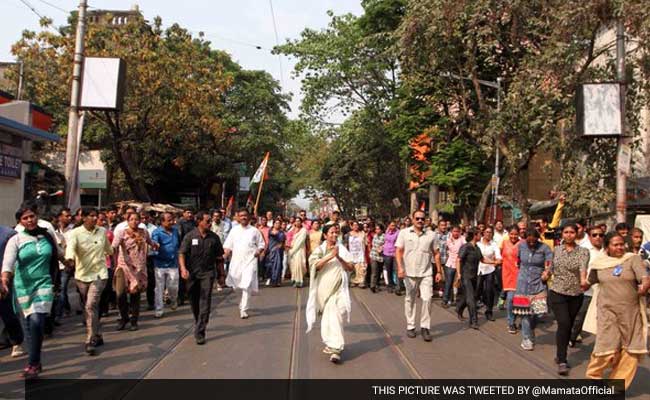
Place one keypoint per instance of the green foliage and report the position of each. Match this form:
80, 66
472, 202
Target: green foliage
457, 167
542, 50
350, 70
360, 168
189, 113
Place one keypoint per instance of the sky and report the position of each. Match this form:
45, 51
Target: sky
233, 26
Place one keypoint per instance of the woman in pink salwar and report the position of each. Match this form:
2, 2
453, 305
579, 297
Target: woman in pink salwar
130, 279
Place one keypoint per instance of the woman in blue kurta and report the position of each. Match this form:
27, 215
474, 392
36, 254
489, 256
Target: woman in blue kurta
30, 261
273, 264
529, 301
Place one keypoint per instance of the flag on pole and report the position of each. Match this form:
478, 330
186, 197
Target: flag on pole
261, 171
422, 206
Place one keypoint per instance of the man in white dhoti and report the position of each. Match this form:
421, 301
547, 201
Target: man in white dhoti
244, 246
329, 295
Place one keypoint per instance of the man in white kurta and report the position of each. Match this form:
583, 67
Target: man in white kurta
328, 291
244, 246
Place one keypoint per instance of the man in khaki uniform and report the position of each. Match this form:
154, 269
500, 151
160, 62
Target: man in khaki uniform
415, 248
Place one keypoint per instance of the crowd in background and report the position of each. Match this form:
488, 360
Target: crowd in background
116, 256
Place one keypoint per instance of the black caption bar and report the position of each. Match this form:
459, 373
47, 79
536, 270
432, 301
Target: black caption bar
186, 389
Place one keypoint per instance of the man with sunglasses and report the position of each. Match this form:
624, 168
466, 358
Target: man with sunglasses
595, 245
415, 248
244, 247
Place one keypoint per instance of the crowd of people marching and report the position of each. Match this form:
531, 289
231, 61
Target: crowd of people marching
590, 279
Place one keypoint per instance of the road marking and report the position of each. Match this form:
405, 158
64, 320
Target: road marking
389, 340
293, 362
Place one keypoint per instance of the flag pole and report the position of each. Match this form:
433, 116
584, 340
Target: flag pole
259, 192
264, 166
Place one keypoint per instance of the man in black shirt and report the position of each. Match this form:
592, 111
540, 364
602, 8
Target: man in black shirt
466, 272
185, 225
200, 255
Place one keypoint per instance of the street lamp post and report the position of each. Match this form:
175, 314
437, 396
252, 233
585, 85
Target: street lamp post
495, 183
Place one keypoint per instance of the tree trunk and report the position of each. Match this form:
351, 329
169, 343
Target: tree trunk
125, 159
518, 195
482, 204
128, 165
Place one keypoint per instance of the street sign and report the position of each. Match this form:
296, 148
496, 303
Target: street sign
244, 184
598, 109
102, 84
10, 161
92, 179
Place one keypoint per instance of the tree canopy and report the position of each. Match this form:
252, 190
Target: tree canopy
190, 112
404, 68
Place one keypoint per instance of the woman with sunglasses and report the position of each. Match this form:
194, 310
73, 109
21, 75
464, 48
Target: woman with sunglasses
621, 323
596, 236
565, 294
30, 262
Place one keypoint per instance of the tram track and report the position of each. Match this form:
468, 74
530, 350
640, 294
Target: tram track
295, 339
179, 339
388, 339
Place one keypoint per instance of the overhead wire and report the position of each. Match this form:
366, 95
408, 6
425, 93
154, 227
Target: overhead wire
277, 42
31, 7
54, 6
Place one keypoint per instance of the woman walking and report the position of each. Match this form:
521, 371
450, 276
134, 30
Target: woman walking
315, 235
565, 295
376, 259
130, 277
467, 266
275, 255
298, 253
529, 301
509, 272
622, 325
30, 262
329, 295
356, 241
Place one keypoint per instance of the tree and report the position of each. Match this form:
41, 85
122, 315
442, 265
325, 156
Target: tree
189, 112
350, 70
542, 50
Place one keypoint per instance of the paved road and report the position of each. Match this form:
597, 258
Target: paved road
273, 344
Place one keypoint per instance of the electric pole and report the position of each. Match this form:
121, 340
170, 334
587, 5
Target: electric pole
72, 144
623, 141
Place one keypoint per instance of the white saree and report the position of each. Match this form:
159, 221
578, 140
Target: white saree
329, 295
298, 256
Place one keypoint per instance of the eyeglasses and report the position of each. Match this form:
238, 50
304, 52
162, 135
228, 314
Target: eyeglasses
419, 219
593, 235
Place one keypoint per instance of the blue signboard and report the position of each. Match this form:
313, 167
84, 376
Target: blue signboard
10, 162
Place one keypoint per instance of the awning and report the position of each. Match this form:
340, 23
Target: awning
26, 131
541, 207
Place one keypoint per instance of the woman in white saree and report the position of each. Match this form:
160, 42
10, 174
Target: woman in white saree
329, 295
298, 253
